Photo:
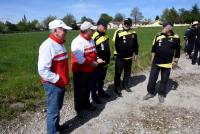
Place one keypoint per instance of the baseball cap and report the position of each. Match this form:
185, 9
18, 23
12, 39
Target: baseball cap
168, 23
127, 21
58, 23
87, 25
102, 22
195, 23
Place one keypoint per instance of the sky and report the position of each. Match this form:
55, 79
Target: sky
14, 10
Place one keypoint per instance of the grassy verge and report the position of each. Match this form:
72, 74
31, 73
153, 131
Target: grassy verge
19, 80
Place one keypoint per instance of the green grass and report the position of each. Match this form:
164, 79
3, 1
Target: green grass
19, 80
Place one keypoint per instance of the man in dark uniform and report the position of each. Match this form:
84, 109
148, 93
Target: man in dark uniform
103, 52
126, 49
196, 58
165, 55
189, 37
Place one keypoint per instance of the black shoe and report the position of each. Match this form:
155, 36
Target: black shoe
193, 63
80, 115
96, 100
104, 94
118, 92
89, 107
63, 127
128, 89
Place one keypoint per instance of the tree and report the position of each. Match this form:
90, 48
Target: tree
69, 19
24, 19
2, 27
170, 15
195, 13
32, 25
23, 24
84, 18
157, 18
106, 17
10, 27
136, 14
185, 16
46, 21
119, 17
74, 25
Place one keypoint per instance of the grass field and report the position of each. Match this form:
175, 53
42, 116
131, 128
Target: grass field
19, 80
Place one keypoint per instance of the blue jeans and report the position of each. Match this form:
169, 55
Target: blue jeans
55, 96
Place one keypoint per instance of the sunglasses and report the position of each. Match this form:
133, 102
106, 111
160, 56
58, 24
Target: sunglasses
127, 24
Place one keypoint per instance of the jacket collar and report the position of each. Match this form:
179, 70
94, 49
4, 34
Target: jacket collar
87, 38
53, 37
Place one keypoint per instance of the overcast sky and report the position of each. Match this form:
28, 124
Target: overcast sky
13, 10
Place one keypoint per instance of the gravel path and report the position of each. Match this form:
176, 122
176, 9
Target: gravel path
180, 114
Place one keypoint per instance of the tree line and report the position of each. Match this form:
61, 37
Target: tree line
171, 14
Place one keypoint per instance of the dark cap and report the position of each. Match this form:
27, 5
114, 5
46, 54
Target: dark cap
168, 23
102, 22
128, 21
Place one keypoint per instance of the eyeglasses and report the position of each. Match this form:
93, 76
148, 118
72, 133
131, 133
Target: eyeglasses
64, 30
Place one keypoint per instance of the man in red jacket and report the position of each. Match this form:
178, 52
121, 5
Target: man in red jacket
53, 70
84, 61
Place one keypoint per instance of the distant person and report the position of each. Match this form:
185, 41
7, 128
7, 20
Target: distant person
190, 38
84, 61
53, 70
196, 55
126, 49
165, 55
103, 52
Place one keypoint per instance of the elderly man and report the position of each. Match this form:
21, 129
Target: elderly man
53, 70
165, 55
84, 61
126, 49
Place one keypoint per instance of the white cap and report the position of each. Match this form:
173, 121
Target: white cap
87, 25
58, 23
195, 23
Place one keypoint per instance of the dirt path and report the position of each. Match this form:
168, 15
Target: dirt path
180, 114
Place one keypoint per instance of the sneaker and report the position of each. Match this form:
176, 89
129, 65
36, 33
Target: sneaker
161, 98
148, 96
104, 94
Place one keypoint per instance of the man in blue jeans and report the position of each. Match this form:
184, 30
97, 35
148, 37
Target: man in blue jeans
54, 73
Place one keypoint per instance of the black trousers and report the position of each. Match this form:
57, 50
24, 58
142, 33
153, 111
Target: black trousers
196, 51
122, 65
82, 83
155, 70
98, 80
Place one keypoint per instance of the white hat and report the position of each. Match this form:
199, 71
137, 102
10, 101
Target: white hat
87, 25
195, 23
58, 23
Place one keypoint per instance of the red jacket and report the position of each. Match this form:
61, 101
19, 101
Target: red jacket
82, 52
53, 62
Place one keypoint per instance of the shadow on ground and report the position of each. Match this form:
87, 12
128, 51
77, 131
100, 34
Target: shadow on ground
134, 80
76, 122
171, 85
